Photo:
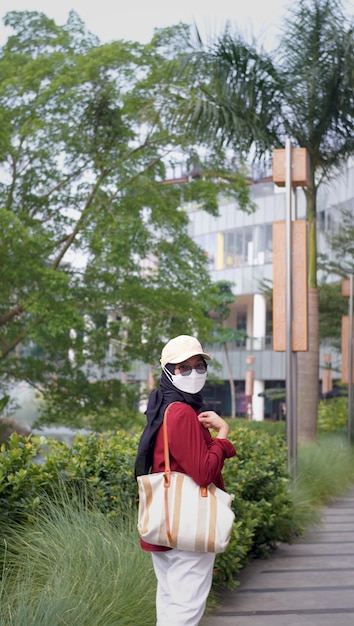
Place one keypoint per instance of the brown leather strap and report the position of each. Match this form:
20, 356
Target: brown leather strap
167, 473
166, 451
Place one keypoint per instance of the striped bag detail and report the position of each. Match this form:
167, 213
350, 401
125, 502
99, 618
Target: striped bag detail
176, 512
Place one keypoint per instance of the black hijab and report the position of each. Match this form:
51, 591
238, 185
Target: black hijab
158, 402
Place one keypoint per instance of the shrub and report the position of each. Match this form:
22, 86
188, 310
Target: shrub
20, 479
332, 415
99, 469
100, 464
264, 426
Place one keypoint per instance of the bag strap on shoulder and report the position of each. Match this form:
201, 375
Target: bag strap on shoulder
166, 451
167, 472
167, 475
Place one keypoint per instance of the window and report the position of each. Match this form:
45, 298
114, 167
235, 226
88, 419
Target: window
241, 324
251, 245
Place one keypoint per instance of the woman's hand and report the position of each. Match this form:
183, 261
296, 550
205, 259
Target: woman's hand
210, 419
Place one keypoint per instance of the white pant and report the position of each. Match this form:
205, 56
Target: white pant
183, 584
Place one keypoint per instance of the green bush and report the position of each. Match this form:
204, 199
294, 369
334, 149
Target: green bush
264, 426
101, 465
332, 415
20, 479
70, 551
100, 468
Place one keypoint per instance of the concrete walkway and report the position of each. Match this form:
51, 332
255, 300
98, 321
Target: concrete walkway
309, 583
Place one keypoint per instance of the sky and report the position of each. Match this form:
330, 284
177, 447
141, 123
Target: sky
137, 19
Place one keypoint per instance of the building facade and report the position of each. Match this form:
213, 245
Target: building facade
239, 248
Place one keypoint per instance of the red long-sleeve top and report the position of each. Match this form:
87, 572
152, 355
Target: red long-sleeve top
193, 451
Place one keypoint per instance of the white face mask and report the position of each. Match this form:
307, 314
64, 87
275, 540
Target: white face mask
193, 383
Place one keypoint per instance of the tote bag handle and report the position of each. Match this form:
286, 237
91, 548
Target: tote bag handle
167, 474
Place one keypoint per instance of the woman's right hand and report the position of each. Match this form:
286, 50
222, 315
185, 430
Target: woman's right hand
210, 419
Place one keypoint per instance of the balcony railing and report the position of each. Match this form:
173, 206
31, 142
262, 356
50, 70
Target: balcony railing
250, 343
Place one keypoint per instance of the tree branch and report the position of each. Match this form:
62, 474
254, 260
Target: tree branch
82, 217
19, 338
7, 317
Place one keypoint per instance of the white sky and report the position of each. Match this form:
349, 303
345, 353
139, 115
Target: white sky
136, 19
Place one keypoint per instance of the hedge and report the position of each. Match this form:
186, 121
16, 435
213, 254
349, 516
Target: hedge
100, 466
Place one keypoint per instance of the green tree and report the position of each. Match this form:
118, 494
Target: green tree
222, 297
332, 307
338, 262
303, 90
89, 230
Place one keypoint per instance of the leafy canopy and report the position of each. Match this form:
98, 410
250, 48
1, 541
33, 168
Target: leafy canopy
96, 264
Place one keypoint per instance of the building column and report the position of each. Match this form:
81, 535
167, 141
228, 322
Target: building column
259, 321
257, 400
259, 332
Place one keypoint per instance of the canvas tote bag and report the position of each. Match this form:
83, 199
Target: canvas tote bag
176, 512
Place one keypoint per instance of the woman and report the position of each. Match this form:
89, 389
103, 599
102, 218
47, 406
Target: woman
183, 578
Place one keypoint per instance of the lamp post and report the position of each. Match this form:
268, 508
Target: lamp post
290, 169
291, 415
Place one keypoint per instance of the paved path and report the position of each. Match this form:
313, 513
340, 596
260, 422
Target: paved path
309, 583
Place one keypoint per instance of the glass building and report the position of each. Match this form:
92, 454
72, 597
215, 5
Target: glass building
239, 248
